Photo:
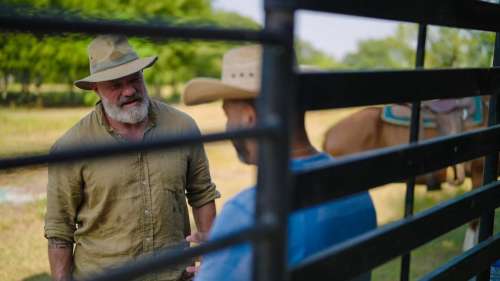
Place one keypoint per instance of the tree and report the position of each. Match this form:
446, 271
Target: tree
307, 54
395, 51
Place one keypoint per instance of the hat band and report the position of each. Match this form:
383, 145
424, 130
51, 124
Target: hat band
98, 67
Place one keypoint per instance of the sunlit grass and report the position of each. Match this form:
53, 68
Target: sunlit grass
23, 247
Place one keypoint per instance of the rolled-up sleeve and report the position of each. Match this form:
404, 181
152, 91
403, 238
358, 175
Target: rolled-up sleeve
200, 189
64, 194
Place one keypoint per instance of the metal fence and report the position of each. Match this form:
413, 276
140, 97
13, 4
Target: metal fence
282, 91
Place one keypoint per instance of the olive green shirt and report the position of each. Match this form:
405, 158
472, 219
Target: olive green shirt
120, 208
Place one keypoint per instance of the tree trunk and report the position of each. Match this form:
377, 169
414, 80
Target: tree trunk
5, 84
25, 82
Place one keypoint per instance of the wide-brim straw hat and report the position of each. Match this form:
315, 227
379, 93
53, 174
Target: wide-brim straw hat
241, 74
111, 57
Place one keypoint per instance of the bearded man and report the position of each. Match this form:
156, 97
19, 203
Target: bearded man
104, 212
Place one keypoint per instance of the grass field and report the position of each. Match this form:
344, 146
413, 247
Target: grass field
23, 248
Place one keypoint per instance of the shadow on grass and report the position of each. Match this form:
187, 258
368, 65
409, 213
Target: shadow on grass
38, 277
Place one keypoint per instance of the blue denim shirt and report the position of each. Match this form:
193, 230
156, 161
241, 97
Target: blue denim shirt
309, 230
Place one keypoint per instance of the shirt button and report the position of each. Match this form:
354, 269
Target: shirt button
146, 212
144, 182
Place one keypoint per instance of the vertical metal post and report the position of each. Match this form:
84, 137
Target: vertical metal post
490, 164
414, 130
274, 178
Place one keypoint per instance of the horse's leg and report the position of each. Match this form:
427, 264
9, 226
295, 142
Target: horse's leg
451, 123
434, 179
472, 232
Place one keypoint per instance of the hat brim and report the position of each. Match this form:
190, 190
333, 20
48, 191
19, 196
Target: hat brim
115, 72
205, 90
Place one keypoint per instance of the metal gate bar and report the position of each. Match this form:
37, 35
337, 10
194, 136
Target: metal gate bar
355, 256
398, 164
414, 132
107, 150
466, 266
276, 108
491, 164
471, 14
361, 88
50, 24
157, 262
275, 105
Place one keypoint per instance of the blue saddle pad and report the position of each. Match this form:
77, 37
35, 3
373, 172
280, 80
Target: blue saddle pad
389, 116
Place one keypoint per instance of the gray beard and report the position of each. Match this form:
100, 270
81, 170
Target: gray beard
132, 115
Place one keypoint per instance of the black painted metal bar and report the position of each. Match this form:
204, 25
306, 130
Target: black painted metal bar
343, 89
414, 130
161, 259
360, 254
275, 104
391, 165
58, 25
106, 150
490, 165
465, 266
468, 14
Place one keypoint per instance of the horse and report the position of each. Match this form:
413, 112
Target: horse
366, 130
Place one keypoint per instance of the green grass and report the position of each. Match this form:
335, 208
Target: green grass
22, 245
435, 253
26, 131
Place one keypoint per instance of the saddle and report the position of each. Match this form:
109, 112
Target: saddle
400, 114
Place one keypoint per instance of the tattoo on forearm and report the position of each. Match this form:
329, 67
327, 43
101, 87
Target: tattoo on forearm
55, 243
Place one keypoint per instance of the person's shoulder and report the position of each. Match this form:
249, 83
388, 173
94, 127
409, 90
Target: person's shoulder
237, 214
173, 115
78, 134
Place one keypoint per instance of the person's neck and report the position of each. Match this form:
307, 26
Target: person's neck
302, 147
131, 132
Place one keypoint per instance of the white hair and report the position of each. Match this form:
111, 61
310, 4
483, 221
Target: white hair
132, 115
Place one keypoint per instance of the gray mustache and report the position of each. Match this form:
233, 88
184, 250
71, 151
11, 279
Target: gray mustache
135, 97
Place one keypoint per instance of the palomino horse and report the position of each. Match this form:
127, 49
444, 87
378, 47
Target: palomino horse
365, 130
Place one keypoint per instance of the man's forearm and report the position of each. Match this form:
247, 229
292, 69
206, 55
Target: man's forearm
60, 259
204, 216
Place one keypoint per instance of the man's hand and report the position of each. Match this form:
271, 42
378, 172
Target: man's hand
196, 238
204, 217
60, 259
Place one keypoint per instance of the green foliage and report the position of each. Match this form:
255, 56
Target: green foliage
308, 55
50, 99
30, 60
446, 47
459, 48
395, 51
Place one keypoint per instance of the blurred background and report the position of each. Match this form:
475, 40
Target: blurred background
38, 102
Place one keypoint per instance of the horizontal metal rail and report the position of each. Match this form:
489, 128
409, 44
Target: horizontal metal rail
343, 89
361, 172
57, 25
358, 255
161, 259
468, 264
106, 150
469, 14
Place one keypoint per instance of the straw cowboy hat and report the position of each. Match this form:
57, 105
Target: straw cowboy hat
241, 70
111, 57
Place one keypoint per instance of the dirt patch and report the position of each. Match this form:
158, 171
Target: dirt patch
23, 185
